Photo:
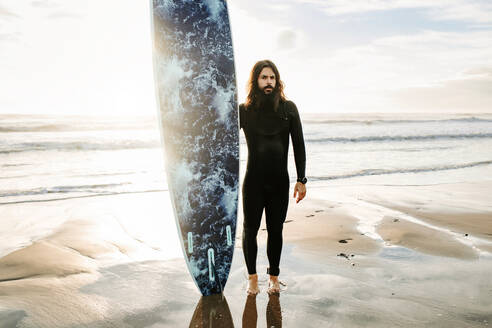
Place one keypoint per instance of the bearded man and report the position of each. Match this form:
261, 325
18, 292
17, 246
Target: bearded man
267, 119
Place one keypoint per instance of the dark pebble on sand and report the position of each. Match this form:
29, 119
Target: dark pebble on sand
310, 215
317, 211
343, 255
466, 234
396, 220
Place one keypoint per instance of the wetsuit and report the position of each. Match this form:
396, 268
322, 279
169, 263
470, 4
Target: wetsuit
266, 182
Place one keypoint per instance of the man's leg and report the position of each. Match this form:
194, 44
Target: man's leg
253, 204
277, 202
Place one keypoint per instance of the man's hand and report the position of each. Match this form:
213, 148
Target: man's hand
300, 190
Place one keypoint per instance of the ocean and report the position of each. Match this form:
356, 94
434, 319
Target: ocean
44, 158
407, 194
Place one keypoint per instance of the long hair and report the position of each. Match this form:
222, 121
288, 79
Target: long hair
254, 92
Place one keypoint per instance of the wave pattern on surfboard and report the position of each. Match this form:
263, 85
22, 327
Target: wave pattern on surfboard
196, 87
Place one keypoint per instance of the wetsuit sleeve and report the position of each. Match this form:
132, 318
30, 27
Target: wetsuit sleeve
297, 141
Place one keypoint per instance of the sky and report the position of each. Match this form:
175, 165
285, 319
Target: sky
77, 57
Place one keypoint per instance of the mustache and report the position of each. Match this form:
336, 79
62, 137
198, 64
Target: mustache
268, 87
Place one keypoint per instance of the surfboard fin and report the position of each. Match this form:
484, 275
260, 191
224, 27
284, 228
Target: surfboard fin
229, 235
217, 280
213, 272
190, 242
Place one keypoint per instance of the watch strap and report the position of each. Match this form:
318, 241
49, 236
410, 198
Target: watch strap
302, 180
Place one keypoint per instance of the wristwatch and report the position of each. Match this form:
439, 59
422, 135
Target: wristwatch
303, 180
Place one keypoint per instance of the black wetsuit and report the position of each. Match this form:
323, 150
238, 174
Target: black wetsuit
266, 182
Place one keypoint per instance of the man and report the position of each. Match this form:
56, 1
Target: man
267, 119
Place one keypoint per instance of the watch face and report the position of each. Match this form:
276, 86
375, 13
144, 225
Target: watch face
303, 180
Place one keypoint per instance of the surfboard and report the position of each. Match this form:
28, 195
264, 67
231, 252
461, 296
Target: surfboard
197, 104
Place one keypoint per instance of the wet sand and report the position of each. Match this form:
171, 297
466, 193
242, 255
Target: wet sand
360, 255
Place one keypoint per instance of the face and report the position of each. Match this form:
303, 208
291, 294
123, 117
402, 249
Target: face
266, 80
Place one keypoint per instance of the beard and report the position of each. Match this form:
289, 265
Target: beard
268, 100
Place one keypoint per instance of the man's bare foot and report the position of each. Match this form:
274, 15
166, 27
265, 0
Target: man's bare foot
273, 285
253, 284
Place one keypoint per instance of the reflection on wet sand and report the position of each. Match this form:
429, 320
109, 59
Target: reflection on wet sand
212, 311
250, 315
273, 312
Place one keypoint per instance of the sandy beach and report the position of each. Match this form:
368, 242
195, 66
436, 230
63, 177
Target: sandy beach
357, 255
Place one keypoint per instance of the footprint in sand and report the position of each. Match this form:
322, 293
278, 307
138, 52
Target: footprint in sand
310, 215
344, 241
317, 211
346, 255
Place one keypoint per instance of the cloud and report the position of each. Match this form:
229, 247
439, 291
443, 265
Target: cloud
62, 15
269, 12
478, 12
415, 60
278, 7
9, 34
462, 10
471, 94
44, 4
342, 7
286, 39
6, 14
10, 37
394, 73
482, 71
